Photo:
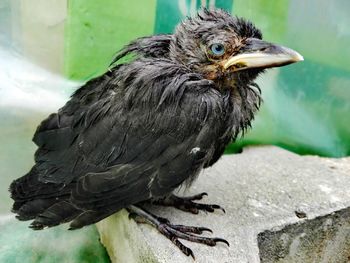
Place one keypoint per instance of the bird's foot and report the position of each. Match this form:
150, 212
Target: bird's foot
186, 203
174, 232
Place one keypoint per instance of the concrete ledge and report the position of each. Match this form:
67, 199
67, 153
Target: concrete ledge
323, 239
124, 240
276, 203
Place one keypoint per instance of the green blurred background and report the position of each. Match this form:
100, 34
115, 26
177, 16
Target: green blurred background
45, 42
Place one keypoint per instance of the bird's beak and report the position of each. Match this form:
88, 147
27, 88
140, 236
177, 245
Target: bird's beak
260, 54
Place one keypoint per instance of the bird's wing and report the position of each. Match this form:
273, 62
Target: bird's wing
146, 133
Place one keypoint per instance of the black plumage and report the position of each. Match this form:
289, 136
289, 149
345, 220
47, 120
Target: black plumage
147, 126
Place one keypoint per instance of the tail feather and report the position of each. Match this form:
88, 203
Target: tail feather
46, 203
56, 214
30, 209
29, 187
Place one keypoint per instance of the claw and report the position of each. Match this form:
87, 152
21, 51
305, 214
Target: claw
194, 197
191, 229
209, 209
200, 196
218, 207
206, 229
186, 250
191, 254
222, 240
132, 215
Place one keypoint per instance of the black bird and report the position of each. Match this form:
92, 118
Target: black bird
146, 127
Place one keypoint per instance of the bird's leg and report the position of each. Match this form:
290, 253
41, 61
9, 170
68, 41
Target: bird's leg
186, 203
173, 232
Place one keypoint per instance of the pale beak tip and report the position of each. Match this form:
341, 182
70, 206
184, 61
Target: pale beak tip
298, 57
294, 56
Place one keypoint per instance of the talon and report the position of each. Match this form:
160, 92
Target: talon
191, 229
186, 250
191, 254
218, 207
209, 209
205, 229
222, 240
132, 215
200, 196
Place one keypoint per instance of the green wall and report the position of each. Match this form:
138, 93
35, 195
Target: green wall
96, 30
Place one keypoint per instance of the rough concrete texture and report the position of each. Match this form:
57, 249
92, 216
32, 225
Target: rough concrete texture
280, 207
325, 239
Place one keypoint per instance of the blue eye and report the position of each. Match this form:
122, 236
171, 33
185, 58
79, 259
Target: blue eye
217, 49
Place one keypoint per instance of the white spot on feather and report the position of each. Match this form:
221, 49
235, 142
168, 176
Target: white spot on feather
153, 176
195, 150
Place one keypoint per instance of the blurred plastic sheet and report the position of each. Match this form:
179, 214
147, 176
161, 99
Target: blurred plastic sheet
26, 86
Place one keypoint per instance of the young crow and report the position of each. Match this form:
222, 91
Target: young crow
147, 126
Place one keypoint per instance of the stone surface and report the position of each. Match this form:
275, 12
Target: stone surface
324, 239
275, 202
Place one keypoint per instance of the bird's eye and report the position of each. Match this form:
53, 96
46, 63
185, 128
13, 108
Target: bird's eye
217, 49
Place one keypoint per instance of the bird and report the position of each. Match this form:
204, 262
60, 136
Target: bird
148, 126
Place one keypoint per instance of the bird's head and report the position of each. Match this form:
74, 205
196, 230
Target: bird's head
225, 48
